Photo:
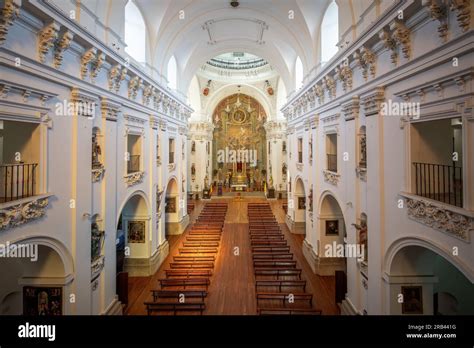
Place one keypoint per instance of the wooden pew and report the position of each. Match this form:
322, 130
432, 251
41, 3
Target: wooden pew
186, 258
268, 237
280, 284
273, 256
268, 242
190, 273
203, 238
198, 250
289, 311
277, 272
269, 249
284, 297
158, 307
178, 294
184, 282
274, 263
201, 244
192, 265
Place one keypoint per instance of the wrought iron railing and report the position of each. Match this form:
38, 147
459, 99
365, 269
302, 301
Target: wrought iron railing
441, 182
332, 163
17, 181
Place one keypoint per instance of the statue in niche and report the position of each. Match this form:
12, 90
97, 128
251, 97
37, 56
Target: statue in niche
363, 151
193, 146
96, 152
310, 199
206, 182
270, 182
363, 236
182, 150
284, 169
96, 241
193, 169
283, 147
310, 147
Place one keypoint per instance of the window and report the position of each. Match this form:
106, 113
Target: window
172, 73
437, 155
134, 149
19, 160
135, 32
298, 73
171, 151
329, 33
331, 152
300, 150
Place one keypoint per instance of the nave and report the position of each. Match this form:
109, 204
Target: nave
232, 289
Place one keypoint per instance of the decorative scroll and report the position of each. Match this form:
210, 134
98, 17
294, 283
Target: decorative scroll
331, 177
440, 218
23, 213
134, 178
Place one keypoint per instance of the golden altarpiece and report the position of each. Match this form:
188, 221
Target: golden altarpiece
238, 129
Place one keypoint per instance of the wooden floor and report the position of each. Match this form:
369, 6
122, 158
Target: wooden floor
232, 290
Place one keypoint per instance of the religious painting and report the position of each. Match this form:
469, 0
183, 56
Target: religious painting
332, 227
412, 300
239, 116
136, 231
302, 203
42, 300
170, 205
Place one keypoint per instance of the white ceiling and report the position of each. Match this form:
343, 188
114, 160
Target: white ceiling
213, 27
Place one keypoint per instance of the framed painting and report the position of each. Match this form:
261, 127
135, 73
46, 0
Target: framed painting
332, 227
42, 301
301, 203
136, 231
170, 205
412, 300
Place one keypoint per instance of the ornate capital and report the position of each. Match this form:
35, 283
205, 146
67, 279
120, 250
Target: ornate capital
8, 13
133, 86
372, 103
87, 57
23, 213
110, 109
463, 13
61, 45
96, 65
365, 59
47, 38
344, 74
401, 35
350, 110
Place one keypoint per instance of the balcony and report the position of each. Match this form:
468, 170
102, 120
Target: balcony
17, 181
439, 182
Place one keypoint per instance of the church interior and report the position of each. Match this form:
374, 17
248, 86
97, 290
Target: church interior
244, 158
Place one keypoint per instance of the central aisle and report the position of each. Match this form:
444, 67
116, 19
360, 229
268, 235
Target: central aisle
232, 290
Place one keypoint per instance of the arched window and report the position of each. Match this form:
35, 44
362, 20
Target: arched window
172, 73
329, 33
298, 73
135, 32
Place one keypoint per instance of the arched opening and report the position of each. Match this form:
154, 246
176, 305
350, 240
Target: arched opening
132, 241
135, 32
299, 74
334, 249
300, 207
329, 33
37, 280
172, 74
171, 208
421, 281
